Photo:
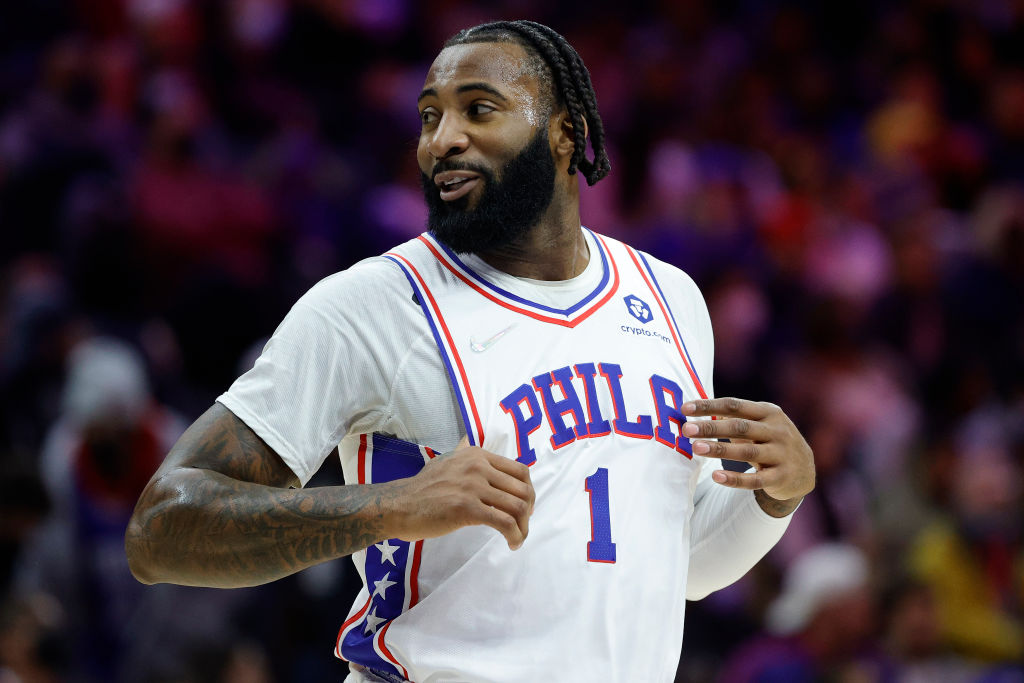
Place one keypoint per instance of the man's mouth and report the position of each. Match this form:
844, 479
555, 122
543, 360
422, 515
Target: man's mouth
455, 184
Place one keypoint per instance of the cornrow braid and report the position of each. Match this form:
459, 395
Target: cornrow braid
560, 63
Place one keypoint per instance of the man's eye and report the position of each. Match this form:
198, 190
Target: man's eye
428, 116
479, 109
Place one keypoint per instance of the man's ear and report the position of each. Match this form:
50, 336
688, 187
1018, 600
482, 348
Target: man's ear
564, 135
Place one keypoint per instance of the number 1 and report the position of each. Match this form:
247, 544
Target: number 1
600, 548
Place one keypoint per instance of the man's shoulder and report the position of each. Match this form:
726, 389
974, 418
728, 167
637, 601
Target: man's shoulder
366, 285
378, 270
381, 271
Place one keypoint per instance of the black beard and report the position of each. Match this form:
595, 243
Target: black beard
508, 208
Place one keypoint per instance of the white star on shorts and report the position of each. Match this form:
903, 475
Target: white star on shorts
387, 551
381, 587
373, 621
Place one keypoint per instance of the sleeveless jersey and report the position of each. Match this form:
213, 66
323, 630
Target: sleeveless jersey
589, 398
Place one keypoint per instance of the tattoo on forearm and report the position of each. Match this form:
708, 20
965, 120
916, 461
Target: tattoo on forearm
220, 515
773, 507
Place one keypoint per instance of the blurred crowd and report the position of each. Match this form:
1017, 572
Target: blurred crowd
844, 180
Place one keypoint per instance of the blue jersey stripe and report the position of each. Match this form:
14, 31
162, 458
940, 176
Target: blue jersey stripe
440, 347
670, 314
394, 459
533, 304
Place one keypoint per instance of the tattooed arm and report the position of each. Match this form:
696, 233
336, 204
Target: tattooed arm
219, 512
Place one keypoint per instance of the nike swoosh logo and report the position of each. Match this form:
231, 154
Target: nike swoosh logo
480, 347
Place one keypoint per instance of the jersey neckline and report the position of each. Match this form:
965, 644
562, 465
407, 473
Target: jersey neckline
609, 280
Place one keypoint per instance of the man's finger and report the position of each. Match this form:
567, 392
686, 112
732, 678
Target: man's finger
516, 487
729, 428
509, 466
738, 480
744, 452
728, 407
518, 508
504, 523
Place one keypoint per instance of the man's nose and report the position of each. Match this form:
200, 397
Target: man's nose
449, 138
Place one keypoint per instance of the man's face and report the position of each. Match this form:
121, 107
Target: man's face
485, 160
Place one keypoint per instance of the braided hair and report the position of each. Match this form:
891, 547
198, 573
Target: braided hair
561, 70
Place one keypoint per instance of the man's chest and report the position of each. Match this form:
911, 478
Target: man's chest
526, 385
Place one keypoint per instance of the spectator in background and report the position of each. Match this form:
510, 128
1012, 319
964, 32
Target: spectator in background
97, 458
820, 627
912, 637
111, 433
30, 650
973, 559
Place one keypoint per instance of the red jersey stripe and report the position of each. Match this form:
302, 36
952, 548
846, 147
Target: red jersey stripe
524, 311
451, 347
668, 320
348, 623
384, 648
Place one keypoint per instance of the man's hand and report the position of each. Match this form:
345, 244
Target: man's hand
465, 487
763, 436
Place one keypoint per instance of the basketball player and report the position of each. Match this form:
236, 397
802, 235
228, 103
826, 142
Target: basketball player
520, 406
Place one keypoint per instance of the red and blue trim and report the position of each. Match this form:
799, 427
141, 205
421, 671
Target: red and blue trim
568, 317
606, 276
390, 568
652, 284
446, 346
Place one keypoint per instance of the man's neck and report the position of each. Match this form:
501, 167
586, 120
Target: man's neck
554, 249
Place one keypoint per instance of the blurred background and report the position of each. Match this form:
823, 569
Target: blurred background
844, 180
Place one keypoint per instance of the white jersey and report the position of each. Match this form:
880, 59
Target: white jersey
589, 397
587, 394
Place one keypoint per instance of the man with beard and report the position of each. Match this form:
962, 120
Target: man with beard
507, 371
